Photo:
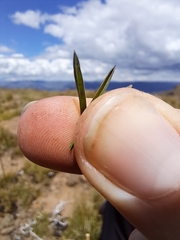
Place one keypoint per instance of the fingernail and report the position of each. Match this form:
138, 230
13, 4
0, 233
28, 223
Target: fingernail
136, 235
133, 146
27, 106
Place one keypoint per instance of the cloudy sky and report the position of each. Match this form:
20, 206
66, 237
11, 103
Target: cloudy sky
140, 37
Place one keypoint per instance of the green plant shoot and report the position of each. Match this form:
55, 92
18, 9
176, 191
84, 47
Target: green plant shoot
104, 84
79, 83
80, 86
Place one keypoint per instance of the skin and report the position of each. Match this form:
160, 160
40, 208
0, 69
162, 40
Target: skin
127, 145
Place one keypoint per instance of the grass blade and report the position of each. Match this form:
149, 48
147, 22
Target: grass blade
79, 83
104, 84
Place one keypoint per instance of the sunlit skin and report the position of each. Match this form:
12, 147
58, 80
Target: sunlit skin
127, 145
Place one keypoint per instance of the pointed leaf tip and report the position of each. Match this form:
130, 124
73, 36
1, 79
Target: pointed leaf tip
104, 84
79, 82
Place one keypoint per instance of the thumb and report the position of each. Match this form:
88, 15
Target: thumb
129, 149
136, 235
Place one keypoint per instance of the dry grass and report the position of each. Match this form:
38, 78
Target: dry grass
85, 218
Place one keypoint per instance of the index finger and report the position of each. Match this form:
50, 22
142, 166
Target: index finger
46, 130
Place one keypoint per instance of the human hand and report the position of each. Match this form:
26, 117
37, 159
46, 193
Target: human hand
126, 144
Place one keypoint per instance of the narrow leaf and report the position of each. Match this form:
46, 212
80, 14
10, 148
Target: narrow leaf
79, 83
104, 84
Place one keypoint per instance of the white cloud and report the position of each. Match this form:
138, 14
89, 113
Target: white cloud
55, 51
5, 49
29, 18
54, 30
17, 55
141, 37
21, 68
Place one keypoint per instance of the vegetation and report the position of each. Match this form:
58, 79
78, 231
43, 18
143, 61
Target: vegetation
15, 192
13, 100
37, 174
172, 97
85, 218
20, 189
42, 228
8, 142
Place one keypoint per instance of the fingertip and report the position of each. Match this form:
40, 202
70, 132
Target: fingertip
46, 130
27, 106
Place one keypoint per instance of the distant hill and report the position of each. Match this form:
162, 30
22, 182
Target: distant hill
149, 87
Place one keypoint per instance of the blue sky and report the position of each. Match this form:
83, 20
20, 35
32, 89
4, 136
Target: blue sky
142, 38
